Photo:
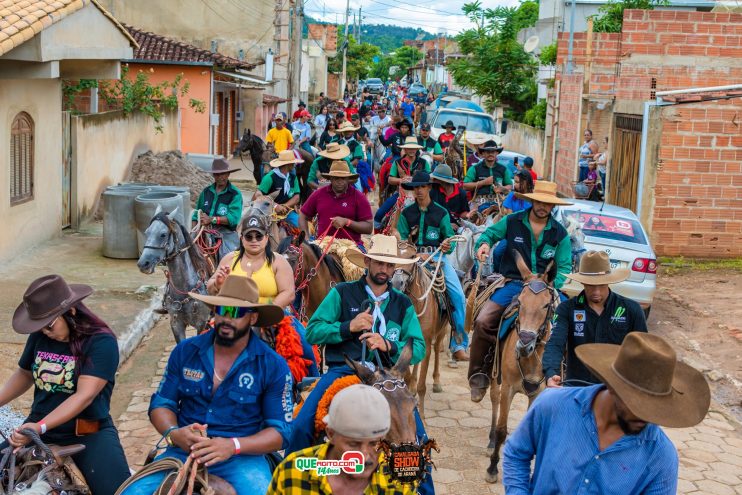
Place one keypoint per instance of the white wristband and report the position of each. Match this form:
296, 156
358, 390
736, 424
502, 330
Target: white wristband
237, 446
43, 427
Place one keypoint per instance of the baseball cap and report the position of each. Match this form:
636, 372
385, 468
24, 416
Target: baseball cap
359, 412
528, 161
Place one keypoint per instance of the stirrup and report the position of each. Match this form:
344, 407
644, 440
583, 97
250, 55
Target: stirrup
479, 381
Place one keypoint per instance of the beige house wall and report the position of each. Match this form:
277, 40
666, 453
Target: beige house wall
35, 221
105, 145
527, 140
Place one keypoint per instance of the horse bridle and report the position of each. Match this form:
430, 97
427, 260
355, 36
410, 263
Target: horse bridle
162, 217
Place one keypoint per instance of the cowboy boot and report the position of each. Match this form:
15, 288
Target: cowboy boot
482, 349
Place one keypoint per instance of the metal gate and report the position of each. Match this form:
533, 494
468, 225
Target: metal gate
624, 166
66, 169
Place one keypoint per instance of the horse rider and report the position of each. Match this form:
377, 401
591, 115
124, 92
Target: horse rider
378, 123
364, 315
282, 181
219, 206
487, 177
70, 359
539, 239
341, 210
430, 145
447, 136
348, 131
321, 164
395, 141
304, 132
233, 382
434, 224
448, 193
595, 315
606, 438
408, 163
279, 136
358, 418
472, 150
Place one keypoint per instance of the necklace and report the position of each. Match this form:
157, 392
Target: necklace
250, 262
216, 375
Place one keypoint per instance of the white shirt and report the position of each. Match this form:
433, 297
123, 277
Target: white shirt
376, 125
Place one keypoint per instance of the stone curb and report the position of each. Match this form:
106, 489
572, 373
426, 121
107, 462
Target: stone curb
140, 327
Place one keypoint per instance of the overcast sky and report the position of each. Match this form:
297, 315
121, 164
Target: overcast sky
435, 16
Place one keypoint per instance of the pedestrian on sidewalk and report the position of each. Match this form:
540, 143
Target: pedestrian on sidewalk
605, 439
70, 359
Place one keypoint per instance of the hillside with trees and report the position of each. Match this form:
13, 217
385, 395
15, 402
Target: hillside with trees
385, 36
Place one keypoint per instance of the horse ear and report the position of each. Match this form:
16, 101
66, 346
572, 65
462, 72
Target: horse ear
299, 239
366, 375
158, 210
402, 365
172, 214
551, 272
525, 272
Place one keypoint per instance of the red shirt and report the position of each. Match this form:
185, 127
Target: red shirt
445, 139
534, 175
349, 112
352, 205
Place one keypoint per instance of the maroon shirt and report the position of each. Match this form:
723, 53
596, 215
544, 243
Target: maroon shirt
352, 205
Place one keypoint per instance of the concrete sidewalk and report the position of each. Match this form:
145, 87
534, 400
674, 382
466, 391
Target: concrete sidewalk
123, 297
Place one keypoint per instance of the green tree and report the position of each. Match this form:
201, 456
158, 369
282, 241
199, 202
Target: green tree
406, 56
610, 16
548, 55
496, 66
360, 58
536, 115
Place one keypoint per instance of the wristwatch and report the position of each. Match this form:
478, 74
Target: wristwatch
213, 220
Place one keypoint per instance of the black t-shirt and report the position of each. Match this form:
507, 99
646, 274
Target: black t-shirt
362, 134
53, 367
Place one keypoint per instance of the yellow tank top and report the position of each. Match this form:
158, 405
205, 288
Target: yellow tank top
263, 277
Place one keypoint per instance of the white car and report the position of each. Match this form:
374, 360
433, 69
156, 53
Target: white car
479, 126
618, 232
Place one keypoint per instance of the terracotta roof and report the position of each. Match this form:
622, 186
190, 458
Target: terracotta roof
270, 99
155, 47
21, 20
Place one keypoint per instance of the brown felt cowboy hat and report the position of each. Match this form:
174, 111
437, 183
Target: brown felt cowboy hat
335, 151
46, 299
595, 269
242, 292
285, 157
221, 166
383, 248
645, 374
544, 192
340, 169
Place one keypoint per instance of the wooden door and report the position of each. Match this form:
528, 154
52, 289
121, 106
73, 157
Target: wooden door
66, 169
623, 173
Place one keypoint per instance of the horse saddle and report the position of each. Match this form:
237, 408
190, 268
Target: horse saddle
187, 478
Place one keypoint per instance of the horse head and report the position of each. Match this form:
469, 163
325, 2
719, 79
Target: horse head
244, 144
576, 239
403, 273
160, 240
401, 399
536, 304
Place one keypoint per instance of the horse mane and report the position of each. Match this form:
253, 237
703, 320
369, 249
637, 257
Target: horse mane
198, 260
332, 264
283, 246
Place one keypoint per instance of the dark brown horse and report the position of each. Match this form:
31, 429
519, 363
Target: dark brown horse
254, 146
519, 367
453, 156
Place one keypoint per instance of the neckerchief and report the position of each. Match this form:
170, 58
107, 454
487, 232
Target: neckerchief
377, 314
286, 184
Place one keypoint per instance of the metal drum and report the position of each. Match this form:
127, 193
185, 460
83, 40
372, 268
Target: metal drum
185, 195
145, 206
119, 228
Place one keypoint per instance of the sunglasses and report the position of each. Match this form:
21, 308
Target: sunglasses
234, 311
50, 326
249, 237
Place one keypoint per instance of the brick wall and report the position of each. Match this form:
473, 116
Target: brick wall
569, 127
325, 33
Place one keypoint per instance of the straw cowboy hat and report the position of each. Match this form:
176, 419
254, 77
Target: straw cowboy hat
335, 151
384, 248
242, 292
285, 157
46, 299
221, 166
595, 269
545, 192
347, 127
339, 168
410, 143
443, 173
645, 374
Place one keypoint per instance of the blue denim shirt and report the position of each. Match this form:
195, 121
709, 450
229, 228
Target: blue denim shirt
255, 394
559, 430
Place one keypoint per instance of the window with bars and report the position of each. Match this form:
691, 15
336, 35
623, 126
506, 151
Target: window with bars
21, 159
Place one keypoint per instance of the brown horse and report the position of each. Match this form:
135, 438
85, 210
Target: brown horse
453, 156
414, 281
519, 367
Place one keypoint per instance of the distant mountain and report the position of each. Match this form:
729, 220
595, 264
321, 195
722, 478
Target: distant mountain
385, 36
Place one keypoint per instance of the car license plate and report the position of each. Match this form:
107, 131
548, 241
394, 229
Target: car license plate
618, 264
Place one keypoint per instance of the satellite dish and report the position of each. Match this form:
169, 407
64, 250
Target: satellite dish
531, 43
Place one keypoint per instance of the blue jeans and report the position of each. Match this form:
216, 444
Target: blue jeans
500, 249
302, 431
248, 474
458, 301
385, 207
602, 179
505, 294
583, 172
306, 346
306, 147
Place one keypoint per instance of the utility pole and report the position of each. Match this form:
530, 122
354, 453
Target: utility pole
343, 80
296, 67
360, 25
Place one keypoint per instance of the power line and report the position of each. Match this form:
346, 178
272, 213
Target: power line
435, 11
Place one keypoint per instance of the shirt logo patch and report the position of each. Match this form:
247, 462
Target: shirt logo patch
619, 315
222, 210
432, 234
246, 380
579, 329
518, 239
579, 315
392, 333
193, 375
548, 252
345, 205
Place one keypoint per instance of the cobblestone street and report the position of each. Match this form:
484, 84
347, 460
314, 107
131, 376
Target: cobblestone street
710, 453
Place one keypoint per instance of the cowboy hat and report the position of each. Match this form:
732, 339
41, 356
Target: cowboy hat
645, 374
443, 173
449, 125
285, 157
404, 121
595, 269
221, 166
46, 299
544, 192
340, 168
420, 178
491, 145
242, 292
384, 248
335, 151
410, 143
347, 127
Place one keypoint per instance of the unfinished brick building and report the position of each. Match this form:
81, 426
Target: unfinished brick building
676, 159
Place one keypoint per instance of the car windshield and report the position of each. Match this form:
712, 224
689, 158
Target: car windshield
373, 81
474, 123
605, 226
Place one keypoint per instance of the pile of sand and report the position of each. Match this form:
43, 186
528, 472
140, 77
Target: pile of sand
170, 168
